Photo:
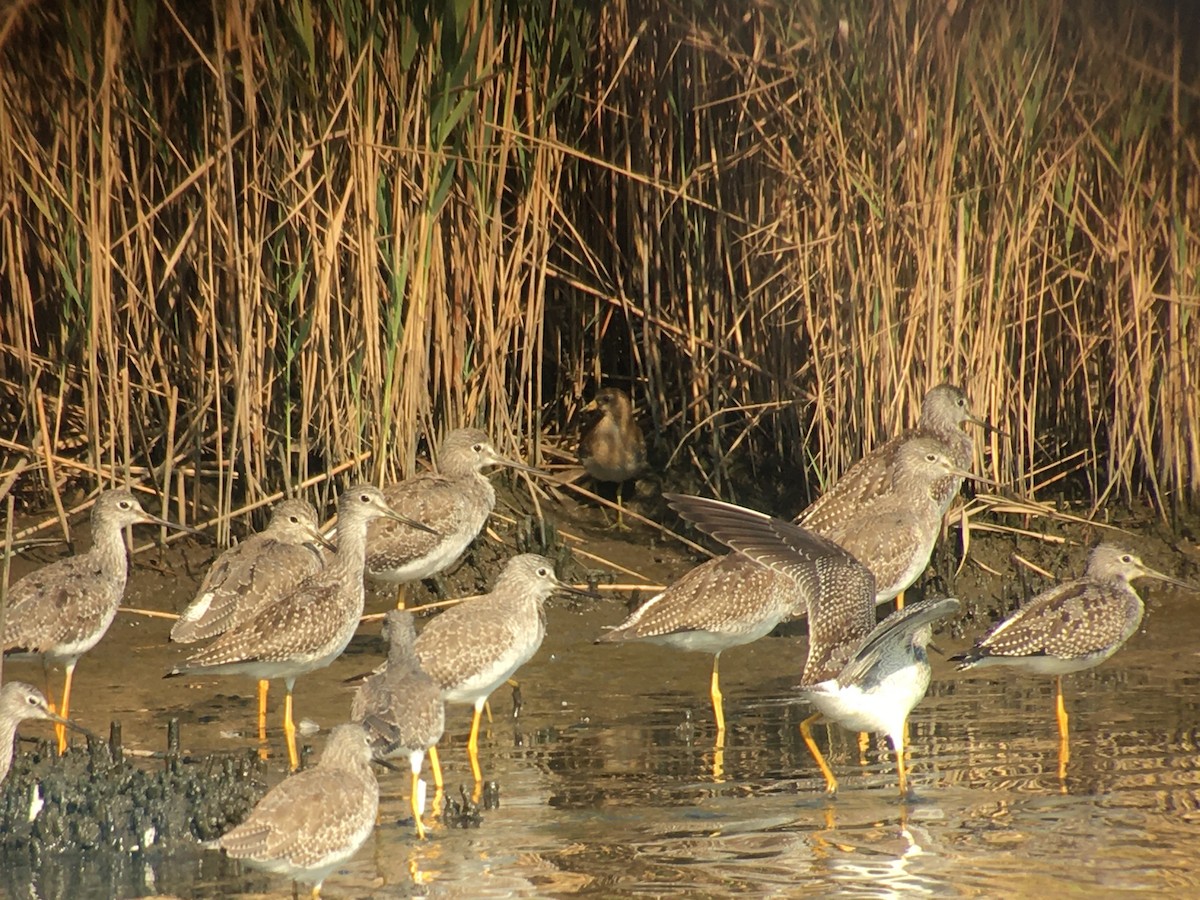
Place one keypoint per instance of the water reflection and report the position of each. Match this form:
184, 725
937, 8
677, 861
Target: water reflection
612, 781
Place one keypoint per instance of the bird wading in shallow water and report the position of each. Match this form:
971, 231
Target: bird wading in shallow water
316, 820
862, 676
733, 600
62, 610
252, 574
400, 706
1071, 627
307, 628
472, 648
613, 448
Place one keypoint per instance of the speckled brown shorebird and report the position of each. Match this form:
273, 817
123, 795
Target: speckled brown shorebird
453, 503
20, 702
944, 411
61, 611
613, 448
865, 678
309, 627
400, 706
893, 531
472, 648
316, 820
253, 574
1071, 627
732, 600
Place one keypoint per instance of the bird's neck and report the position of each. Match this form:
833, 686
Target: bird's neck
109, 554
351, 549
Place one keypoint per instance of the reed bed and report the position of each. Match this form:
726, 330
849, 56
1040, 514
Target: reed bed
245, 245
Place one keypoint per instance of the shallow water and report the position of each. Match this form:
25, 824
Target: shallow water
610, 782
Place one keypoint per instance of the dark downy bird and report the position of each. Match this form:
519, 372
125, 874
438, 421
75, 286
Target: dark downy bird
613, 448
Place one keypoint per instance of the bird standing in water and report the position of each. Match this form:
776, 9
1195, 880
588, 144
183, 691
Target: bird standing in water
1071, 627
252, 574
400, 706
316, 820
62, 610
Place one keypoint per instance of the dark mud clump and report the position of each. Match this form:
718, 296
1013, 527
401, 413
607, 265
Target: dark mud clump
96, 799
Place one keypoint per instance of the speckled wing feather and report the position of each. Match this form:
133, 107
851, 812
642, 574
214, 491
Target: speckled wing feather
293, 823
58, 604
447, 505
840, 591
1073, 620
451, 648
869, 477
243, 580
305, 622
400, 706
726, 595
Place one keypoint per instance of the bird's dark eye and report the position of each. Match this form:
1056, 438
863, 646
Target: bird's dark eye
125, 504
543, 572
1126, 558
31, 700
478, 448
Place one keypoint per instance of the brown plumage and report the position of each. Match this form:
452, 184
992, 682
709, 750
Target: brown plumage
254, 573
453, 502
836, 588
309, 627
1075, 625
1070, 627
733, 600
315, 820
863, 677
61, 611
613, 448
472, 648
943, 411
400, 706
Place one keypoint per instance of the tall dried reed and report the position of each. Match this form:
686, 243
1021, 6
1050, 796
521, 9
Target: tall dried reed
244, 244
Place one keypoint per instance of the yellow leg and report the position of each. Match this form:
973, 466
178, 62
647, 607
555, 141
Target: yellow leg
901, 772
718, 766
1064, 731
864, 744
900, 600
60, 731
401, 595
416, 806
487, 708
473, 747
436, 766
717, 698
289, 731
316, 892
806, 733
263, 685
